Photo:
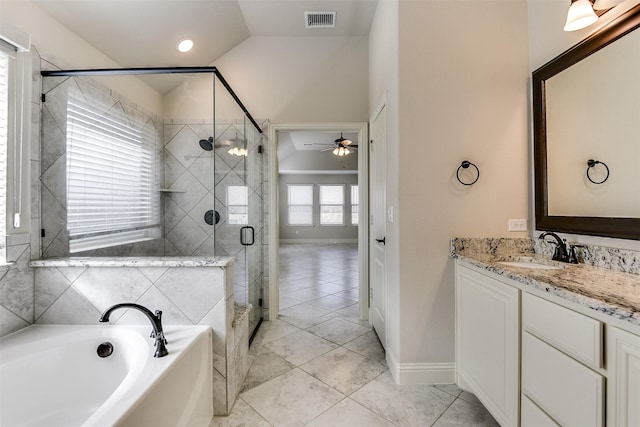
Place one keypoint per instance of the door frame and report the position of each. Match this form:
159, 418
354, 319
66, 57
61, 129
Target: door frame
362, 129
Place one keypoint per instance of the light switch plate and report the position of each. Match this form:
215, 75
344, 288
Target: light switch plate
517, 225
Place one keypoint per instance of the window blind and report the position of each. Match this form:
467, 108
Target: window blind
238, 204
112, 193
354, 205
300, 204
331, 205
5, 60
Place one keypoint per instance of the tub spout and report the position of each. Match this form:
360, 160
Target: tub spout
156, 322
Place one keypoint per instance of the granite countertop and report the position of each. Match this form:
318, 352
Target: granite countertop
219, 261
614, 293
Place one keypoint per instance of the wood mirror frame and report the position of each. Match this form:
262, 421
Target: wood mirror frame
624, 228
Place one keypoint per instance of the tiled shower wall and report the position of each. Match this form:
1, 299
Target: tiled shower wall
16, 285
195, 190
196, 181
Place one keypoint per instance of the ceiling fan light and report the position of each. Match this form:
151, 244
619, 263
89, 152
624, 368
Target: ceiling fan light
580, 15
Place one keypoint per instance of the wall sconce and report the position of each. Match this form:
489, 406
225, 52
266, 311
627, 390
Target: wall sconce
580, 15
582, 12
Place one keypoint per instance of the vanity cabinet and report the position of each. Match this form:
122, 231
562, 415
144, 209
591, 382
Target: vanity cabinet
623, 389
561, 351
487, 342
565, 389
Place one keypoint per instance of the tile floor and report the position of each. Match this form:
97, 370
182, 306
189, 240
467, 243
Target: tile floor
320, 365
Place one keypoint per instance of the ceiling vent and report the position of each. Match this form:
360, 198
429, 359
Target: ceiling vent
319, 19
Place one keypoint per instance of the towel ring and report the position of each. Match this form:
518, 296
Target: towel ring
465, 165
591, 163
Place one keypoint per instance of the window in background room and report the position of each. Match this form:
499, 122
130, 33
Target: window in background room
354, 205
332, 205
238, 204
300, 204
112, 195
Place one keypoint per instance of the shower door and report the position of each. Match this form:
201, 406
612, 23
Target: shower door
239, 204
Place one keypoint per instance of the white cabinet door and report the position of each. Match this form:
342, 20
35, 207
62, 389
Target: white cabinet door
575, 334
568, 391
623, 390
532, 416
487, 350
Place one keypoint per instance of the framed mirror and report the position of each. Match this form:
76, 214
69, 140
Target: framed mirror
586, 117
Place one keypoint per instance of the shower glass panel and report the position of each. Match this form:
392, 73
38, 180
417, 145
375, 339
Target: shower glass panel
239, 200
152, 164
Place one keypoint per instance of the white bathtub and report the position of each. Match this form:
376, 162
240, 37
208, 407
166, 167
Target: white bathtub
51, 375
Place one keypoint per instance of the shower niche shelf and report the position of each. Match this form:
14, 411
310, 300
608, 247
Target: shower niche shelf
171, 190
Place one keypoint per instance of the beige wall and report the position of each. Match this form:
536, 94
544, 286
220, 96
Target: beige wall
58, 45
383, 88
463, 75
287, 79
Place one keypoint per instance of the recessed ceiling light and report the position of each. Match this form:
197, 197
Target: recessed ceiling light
185, 45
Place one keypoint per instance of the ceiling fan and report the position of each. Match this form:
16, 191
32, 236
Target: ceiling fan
342, 146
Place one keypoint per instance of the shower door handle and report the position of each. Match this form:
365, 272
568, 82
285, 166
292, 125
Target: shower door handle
247, 235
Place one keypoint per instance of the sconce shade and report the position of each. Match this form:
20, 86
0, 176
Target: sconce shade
606, 4
580, 15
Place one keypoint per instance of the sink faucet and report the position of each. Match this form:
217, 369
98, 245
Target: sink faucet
156, 322
561, 253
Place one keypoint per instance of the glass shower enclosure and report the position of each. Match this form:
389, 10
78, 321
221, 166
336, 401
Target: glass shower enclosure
190, 161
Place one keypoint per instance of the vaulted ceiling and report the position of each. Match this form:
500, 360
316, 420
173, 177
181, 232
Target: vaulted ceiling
145, 33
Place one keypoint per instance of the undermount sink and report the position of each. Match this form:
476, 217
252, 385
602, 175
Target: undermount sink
526, 262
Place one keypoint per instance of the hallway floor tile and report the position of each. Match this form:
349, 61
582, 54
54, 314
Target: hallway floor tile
319, 365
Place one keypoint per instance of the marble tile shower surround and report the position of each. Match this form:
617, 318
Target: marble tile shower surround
622, 260
189, 291
188, 167
182, 165
16, 285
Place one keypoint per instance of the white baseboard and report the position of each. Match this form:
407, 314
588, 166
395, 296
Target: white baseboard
317, 241
421, 373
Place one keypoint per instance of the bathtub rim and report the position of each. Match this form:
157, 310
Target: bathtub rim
122, 402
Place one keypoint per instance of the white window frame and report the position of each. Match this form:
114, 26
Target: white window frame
15, 189
7, 70
113, 195
341, 205
241, 217
356, 205
291, 206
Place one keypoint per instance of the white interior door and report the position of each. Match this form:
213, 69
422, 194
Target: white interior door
377, 275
